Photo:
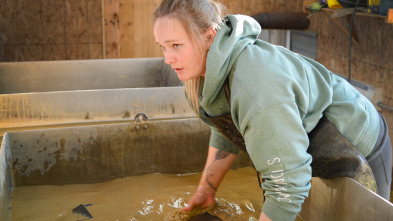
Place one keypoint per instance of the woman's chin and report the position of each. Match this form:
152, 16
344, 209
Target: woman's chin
183, 78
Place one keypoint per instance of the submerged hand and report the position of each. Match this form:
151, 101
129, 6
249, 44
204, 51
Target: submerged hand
202, 198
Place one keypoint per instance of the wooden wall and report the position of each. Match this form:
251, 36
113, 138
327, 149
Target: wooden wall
35, 30
32, 30
371, 60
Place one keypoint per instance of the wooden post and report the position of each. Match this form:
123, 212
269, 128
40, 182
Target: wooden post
111, 28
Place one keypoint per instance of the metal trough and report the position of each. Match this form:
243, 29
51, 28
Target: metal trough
89, 154
46, 76
73, 122
65, 93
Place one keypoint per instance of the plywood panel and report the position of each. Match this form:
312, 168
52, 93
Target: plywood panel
374, 43
387, 79
95, 21
245, 7
53, 21
387, 48
330, 60
8, 21
23, 53
49, 27
252, 7
359, 52
76, 21
54, 52
95, 51
77, 51
358, 69
22, 22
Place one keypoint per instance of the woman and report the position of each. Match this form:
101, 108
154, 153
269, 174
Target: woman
273, 97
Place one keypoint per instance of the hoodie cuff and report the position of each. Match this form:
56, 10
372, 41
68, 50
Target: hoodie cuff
276, 213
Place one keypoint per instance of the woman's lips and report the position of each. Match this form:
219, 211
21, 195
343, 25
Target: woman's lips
178, 70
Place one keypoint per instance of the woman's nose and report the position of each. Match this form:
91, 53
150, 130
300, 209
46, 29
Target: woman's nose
169, 59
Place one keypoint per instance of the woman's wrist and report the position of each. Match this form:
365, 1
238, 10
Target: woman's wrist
205, 189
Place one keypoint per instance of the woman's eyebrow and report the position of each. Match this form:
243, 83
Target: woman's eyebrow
169, 41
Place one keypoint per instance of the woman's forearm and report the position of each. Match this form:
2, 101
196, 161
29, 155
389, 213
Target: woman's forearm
217, 164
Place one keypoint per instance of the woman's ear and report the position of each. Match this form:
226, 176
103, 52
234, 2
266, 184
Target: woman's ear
210, 34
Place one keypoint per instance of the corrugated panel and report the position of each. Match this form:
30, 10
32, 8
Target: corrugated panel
304, 43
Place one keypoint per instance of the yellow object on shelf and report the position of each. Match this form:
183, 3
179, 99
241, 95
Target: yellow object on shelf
334, 4
373, 6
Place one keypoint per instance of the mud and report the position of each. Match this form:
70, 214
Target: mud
147, 197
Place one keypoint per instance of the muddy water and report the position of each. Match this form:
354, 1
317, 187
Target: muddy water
148, 197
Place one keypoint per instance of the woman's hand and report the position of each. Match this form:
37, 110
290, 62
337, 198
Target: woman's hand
202, 198
217, 164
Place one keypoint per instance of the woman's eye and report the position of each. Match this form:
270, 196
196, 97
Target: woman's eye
176, 45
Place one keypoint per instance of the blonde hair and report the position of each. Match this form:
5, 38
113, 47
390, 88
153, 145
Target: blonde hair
196, 16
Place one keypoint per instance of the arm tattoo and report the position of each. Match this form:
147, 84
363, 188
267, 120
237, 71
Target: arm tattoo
207, 178
221, 155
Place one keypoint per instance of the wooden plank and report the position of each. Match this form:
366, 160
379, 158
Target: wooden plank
144, 42
153, 47
136, 29
126, 26
343, 199
140, 29
111, 28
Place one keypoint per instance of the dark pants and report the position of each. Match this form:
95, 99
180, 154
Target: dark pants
380, 161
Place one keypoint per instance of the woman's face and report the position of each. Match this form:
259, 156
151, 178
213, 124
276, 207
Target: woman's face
185, 56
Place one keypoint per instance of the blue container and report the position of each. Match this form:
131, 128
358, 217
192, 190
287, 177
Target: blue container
384, 6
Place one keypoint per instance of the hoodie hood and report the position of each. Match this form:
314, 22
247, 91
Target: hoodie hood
232, 37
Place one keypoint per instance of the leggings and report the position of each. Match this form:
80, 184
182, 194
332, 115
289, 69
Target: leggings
380, 161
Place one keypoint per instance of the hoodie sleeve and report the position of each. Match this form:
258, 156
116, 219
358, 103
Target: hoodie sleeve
277, 144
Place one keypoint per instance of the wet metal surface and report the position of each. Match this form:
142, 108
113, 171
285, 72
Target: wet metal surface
46, 76
19, 111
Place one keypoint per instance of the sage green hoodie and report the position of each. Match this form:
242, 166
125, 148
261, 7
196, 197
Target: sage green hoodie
277, 97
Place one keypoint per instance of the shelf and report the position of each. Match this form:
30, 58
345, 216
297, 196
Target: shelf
361, 11
335, 13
